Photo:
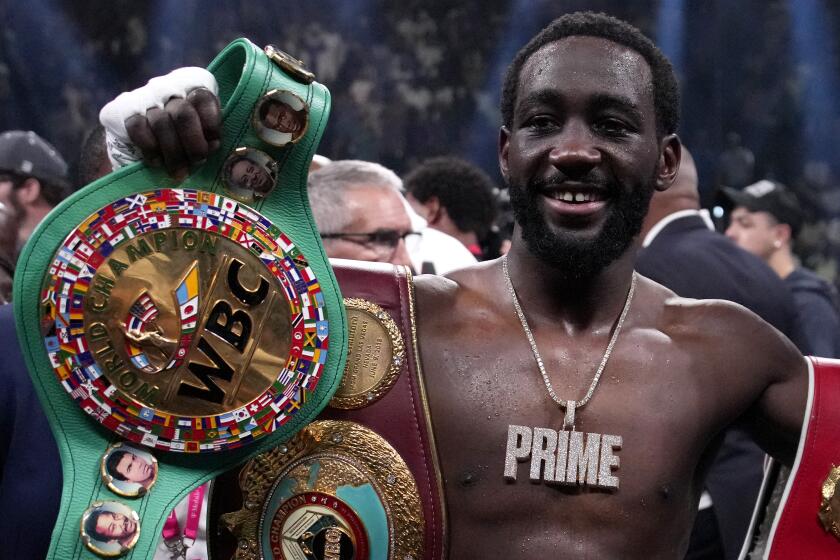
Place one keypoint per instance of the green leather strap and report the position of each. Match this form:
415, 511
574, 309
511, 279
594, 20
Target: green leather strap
244, 74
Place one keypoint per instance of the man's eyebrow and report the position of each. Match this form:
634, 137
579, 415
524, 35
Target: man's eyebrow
598, 101
608, 100
540, 97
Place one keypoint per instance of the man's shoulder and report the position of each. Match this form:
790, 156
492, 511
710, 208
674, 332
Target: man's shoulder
695, 317
436, 292
718, 343
813, 293
806, 280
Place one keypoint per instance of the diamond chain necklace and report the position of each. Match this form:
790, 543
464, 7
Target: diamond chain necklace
569, 406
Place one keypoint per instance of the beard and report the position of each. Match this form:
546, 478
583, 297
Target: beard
574, 257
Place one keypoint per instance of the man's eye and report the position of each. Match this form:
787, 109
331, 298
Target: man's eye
386, 237
540, 122
613, 127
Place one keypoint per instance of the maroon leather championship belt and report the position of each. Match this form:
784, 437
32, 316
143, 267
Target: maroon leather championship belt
362, 481
806, 524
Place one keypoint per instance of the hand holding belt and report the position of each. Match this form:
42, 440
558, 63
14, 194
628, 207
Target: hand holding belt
119, 284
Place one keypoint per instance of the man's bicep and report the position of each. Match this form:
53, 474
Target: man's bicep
776, 418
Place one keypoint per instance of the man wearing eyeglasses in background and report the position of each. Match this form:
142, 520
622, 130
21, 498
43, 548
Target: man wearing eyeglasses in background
360, 212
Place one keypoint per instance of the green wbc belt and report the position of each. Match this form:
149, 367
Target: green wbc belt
191, 325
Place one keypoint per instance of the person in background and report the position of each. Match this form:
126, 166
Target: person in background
33, 179
682, 251
455, 197
8, 250
736, 165
360, 213
30, 468
434, 252
362, 216
765, 221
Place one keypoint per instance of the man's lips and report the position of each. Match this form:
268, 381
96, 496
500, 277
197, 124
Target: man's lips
574, 199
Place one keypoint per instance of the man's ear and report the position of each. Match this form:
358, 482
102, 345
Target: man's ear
29, 192
670, 154
504, 144
783, 234
434, 210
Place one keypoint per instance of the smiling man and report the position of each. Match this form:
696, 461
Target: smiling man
281, 117
590, 113
576, 406
109, 526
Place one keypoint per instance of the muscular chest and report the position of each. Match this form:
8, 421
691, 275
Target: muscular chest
482, 384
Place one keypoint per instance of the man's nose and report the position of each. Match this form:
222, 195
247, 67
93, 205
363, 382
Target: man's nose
731, 232
574, 152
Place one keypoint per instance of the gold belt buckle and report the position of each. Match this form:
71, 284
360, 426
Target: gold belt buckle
294, 67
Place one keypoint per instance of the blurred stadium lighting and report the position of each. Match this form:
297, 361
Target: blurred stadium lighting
670, 32
523, 21
816, 66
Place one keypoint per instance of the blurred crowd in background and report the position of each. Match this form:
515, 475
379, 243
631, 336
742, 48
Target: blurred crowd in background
414, 80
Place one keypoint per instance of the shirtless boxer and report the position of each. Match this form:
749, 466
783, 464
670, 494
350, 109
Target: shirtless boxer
590, 113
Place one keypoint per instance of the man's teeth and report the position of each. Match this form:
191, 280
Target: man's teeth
566, 196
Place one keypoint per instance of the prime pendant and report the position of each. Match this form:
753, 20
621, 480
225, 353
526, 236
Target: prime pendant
563, 457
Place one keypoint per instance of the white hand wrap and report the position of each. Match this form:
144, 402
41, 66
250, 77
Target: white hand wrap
156, 93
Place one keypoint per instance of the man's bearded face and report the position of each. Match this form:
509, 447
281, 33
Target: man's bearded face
578, 257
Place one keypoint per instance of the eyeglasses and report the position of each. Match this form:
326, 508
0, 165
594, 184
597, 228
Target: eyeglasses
384, 242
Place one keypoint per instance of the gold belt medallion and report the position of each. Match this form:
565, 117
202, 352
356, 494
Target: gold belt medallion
337, 490
829, 514
376, 355
184, 320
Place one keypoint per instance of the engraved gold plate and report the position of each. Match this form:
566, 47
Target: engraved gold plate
109, 529
376, 355
335, 490
830, 504
184, 320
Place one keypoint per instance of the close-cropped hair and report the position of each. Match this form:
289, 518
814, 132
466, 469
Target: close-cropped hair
464, 190
666, 93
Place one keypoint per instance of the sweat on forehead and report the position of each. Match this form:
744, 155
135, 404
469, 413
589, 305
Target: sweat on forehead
589, 24
624, 67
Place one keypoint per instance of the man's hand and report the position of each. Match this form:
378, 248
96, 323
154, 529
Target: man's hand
173, 121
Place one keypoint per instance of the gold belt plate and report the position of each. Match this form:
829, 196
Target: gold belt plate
184, 320
335, 490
